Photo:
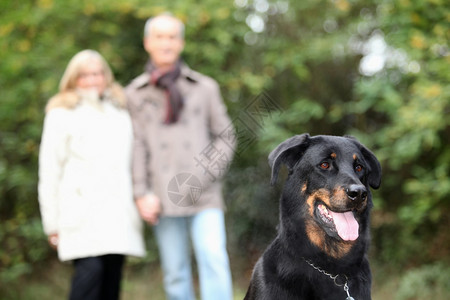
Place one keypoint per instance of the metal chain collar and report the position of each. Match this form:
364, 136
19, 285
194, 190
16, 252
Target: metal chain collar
341, 282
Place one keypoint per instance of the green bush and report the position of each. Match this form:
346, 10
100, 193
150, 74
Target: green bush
425, 282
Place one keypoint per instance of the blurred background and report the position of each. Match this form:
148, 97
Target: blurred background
377, 70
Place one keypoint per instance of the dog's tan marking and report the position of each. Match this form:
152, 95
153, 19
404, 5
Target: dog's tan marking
333, 155
355, 157
342, 249
315, 233
339, 197
317, 236
322, 195
304, 187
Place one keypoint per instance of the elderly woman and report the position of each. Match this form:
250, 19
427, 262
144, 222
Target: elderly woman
85, 189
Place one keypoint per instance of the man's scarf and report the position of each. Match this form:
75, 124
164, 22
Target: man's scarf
167, 81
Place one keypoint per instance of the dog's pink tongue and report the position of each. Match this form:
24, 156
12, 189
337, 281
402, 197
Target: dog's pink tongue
346, 225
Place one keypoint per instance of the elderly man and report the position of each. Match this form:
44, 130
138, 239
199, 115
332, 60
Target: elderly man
184, 142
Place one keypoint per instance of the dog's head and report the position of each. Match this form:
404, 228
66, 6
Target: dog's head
332, 176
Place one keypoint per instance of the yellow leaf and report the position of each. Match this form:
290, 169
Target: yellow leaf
204, 17
433, 91
439, 30
30, 146
405, 3
24, 45
223, 13
125, 7
89, 9
6, 29
45, 4
418, 41
151, 11
416, 18
343, 5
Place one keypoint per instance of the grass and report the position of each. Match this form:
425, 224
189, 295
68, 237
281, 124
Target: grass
145, 282
53, 282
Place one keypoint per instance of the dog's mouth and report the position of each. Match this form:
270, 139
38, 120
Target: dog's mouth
343, 224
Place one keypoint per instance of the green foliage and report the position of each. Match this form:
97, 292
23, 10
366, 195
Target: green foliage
413, 140
23, 244
306, 58
35, 48
426, 282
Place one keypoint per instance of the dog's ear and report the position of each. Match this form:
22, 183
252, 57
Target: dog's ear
374, 176
288, 152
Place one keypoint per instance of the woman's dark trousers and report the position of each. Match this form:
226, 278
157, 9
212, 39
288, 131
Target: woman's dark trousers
97, 278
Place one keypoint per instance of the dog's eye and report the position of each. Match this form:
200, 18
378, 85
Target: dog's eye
358, 168
324, 165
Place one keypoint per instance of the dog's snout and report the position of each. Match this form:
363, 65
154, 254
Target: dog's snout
356, 192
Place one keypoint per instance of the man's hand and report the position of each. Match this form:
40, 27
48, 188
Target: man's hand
53, 240
149, 207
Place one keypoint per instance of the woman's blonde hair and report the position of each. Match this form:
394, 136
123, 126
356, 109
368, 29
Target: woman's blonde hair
68, 98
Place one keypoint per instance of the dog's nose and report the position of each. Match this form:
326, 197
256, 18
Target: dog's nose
356, 192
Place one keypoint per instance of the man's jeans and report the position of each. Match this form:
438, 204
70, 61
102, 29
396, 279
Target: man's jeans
207, 232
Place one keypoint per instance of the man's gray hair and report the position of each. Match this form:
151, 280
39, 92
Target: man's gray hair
149, 24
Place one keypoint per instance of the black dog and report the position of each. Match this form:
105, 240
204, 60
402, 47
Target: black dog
320, 251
